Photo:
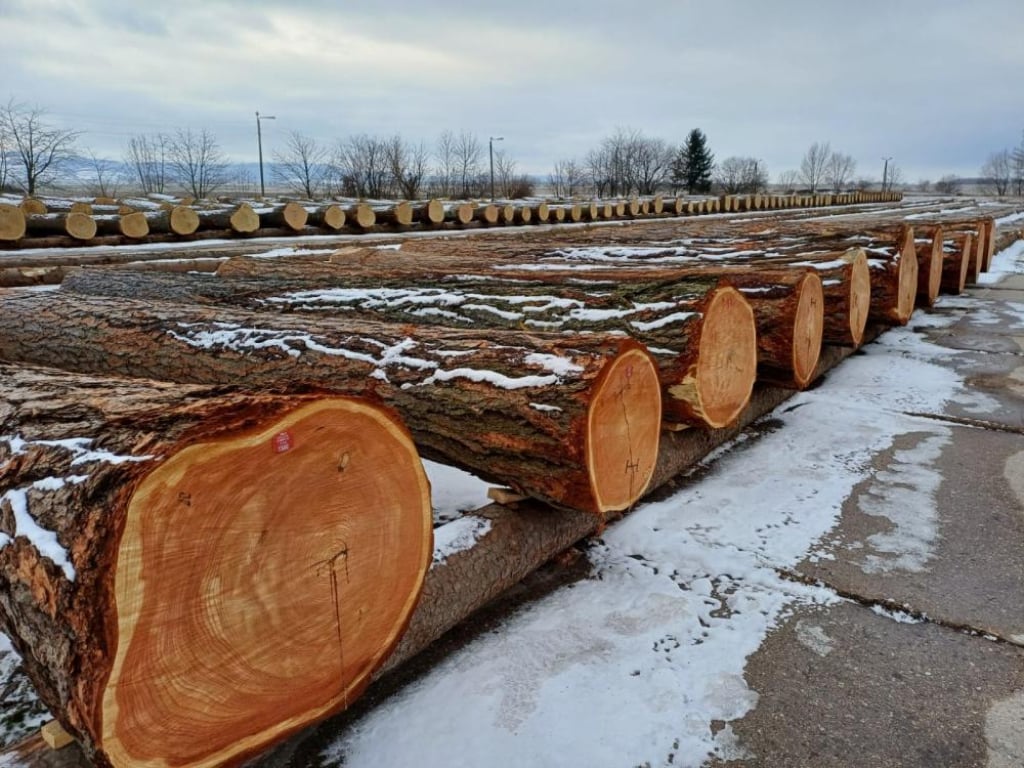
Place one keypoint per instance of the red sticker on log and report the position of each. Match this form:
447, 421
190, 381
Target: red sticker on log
283, 442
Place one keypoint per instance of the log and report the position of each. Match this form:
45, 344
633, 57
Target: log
956, 260
696, 392
430, 213
487, 215
893, 279
524, 214
21, 277
133, 225
988, 249
507, 214
556, 214
33, 206
400, 214
168, 604
546, 415
77, 226
291, 216
361, 216
460, 213
330, 217
241, 220
929, 265
12, 223
178, 220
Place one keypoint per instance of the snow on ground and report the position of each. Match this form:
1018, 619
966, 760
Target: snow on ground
1007, 261
453, 491
635, 665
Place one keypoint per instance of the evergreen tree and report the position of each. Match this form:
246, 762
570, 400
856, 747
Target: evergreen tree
693, 164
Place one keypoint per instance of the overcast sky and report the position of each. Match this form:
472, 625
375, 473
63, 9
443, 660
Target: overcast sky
937, 85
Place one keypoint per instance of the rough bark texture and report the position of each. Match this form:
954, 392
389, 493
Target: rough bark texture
706, 381
524, 410
114, 490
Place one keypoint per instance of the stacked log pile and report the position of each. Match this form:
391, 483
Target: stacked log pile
268, 420
34, 223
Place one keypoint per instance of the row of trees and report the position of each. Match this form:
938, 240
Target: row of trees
628, 162
1003, 171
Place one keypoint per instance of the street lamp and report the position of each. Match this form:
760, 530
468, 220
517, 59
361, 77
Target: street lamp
885, 171
490, 143
259, 143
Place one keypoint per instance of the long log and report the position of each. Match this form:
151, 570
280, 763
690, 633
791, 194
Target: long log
331, 217
178, 220
78, 226
430, 213
168, 604
460, 213
488, 215
929, 264
400, 214
362, 217
788, 308
12, 223
573, 421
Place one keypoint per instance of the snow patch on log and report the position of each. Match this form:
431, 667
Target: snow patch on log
545, 408
661, 322
45, 541
458, 535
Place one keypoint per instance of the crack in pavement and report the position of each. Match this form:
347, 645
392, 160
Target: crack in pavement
963, 421
892, 606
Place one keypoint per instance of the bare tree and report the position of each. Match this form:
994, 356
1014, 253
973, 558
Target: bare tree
649, 163
445, 173
146, 156
302, 165
948, 185
106, 175
1017, 161
197, 161
556, 179
741, 174
40, 150
812, 167
5, 149
839, 170
408, 164
362, 163
467, 158
998, 172
504, 173
788, 180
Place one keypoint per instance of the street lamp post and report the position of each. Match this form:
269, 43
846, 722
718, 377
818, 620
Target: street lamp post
885, 171
259, 144
490, 143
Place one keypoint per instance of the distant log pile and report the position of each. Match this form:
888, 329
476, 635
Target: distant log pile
52, 223
270, 416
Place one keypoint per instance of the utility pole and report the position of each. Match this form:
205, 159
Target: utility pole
259, 144
885, 172
490, 144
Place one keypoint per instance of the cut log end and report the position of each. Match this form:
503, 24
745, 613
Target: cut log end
260, 580
908, 271
183, 220
432, 212
860, 297
80, 226
333, 217
403, 214
623, 430
808, 326
294, 216
244, 220
727, 360
363, 216
134, 225
12, 223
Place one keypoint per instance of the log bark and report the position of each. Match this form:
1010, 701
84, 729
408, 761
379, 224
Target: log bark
12, 223
78, 226
699, 329
114, 492
573, 421
330, 217
291, 216
178, 220
956, 260
242, 220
